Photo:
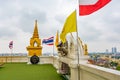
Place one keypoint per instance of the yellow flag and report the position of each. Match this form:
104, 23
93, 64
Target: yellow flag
57, 39
69, 26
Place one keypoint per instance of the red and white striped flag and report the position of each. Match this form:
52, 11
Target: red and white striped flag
11, 44
49, 41
87, 7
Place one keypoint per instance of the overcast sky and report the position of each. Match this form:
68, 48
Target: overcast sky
100, 30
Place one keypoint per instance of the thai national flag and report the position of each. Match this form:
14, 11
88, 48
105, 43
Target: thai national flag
49, 41
11, 44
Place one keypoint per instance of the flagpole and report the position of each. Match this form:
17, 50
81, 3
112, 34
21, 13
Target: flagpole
53, 49
53, 52
11, 54
11, 49
77, 51
77, 38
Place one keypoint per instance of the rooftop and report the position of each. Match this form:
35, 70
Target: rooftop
23, 71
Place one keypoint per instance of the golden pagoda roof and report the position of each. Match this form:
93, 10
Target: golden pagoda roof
35, 33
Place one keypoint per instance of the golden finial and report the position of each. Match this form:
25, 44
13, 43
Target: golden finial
35, 34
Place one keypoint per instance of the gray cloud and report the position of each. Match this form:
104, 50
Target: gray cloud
19, 16
102, 25
88, 32
24, 12
7, 32
60, 18
27, 20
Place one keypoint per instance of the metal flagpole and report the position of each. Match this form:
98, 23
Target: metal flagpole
53, 47
77, 38
77, 51
11, 54
11, 49
53, 52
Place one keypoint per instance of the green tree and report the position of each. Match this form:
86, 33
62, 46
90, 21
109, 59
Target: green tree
118, 68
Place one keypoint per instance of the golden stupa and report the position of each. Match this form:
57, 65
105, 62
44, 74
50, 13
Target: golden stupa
35, 47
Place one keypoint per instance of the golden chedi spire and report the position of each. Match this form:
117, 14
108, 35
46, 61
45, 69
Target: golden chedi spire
35, 33
35, 47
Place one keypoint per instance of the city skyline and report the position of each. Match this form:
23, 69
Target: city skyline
99, 30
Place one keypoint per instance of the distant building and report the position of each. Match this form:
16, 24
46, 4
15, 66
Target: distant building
107, 51
114, 50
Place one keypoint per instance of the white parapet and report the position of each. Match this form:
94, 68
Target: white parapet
93, 72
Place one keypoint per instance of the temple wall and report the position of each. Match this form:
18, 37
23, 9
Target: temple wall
93, 72
43, 59
13, 59
86, 71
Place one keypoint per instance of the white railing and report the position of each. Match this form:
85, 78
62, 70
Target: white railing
87, 71
93, 72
